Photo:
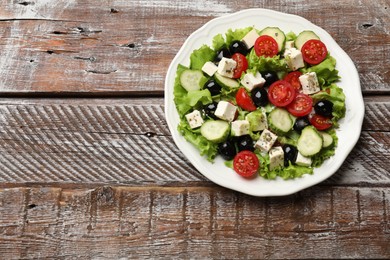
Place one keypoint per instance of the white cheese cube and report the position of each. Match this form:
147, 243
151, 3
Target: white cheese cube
250, 38
240, 127
250, 81
209, 68
226, 67
276, 157
194, 119
309, 83
225, 111
303, 160
294, 58
266, 140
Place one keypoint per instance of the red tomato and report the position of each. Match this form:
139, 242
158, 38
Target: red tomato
266, 46
314, 51
242, 64
244, 100
246, 163
281, 93
301, 105
293, 79
320, 122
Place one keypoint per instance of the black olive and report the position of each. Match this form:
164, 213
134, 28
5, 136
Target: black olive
213, 87
238, 46
224, 52
270, 77
259, 97
324, 108
301, 123
290, 154
227, 150
245, 142
209, 109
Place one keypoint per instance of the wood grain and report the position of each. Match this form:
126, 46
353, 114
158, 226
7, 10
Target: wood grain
127, 141
124, 222
124, 48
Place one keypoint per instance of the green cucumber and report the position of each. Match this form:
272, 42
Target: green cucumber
192, 80
310, 142
303, 37
280, 121
327, 139
226, 82
277, 34
215, 131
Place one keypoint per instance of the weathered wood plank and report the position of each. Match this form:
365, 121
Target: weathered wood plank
122, 48
126, 141
125, 222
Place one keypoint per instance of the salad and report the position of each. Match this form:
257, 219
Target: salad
265, 100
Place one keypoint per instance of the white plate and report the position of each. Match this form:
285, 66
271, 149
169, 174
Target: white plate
350, 126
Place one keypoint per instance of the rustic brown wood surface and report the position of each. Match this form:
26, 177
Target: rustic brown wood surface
88, 167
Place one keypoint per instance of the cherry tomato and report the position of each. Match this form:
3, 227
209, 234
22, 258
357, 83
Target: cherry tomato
246, 163
244, 100
293, 79
281, 93
314, 51
242, 64
301, 105
320, 122
266, 46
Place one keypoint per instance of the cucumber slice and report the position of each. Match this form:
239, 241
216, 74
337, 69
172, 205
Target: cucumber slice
226, 82
280, 121
277, 34
192, 80
327, 139
303, 37
310, 142
215, 130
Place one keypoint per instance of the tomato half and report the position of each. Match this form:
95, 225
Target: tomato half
301, 105
281, 93
246, 163
244, 100
293, 79
242, 64
266, 46
320, 122
314, 51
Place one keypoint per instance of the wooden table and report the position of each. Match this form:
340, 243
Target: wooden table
88, 168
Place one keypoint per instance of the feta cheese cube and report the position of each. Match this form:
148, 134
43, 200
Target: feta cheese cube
226, 67
266, 140
303, 160
209, 68
294, 58
250, 81
240, 127
194, 119
225, 111
276, 157
250, 38
309, 83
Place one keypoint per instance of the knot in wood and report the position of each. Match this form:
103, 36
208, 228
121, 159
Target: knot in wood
103, 195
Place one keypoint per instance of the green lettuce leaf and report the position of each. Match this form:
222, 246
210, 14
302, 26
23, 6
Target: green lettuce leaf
337, 97
264, 64
291, 36
200, 56
237, 34
205, 147
326, 71
218, 42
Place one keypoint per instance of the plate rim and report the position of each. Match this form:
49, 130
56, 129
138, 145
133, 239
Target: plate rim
178, 139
